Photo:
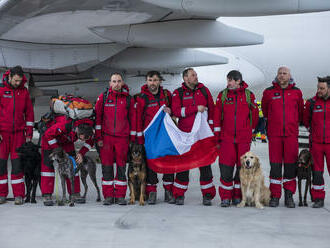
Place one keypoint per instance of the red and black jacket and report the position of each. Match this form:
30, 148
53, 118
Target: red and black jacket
234, 116
115, 115
283, 109
16, 109
63, 134
316, 118
186, 108
147, 106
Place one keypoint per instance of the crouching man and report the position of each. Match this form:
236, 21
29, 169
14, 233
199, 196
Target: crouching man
63, 134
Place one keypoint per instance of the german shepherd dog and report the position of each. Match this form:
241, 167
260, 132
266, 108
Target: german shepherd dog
304, 172
64, 166
88, 167
31, 163
137, 173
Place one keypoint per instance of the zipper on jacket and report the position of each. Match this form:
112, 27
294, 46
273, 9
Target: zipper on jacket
114, 124
325, 105
235, 115
283, 114
14, 112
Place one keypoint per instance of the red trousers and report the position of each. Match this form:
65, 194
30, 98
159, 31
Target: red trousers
114, 149
48, 173
282, 150
8, 145
319, 151
230, 154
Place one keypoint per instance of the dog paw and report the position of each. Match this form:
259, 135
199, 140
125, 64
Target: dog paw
300, 204
71, 204
60, 203
98, 199
259, 206
33, 201
305, 204
27, 200
241, 205
141, 203
131, 202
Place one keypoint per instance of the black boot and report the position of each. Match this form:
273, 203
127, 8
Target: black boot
121, 201
225, 203
108, 201
288, 201
179, 200
236, 201
168, 196
152, 198
207, 200
318, 203
274, 202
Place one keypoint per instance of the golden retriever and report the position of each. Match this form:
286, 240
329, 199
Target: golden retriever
254, 191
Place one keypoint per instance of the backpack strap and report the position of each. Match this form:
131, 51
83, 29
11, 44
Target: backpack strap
203, 90
180, 91
248, 100
167, 100
223, 99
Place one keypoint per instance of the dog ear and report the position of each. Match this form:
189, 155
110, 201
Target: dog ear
257, 162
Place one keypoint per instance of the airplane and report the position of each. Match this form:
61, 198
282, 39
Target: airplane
75, 44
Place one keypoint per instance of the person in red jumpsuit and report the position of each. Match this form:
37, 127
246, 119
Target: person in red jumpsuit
151, 98
63, 134
16, 128
190, 98
316, 118
282, 105
236, 115
115, 127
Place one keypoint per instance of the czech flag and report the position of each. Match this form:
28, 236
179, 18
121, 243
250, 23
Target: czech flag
170, 150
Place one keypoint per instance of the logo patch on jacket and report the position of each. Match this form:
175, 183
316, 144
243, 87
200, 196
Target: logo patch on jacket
318, 108
187, 93
110, 101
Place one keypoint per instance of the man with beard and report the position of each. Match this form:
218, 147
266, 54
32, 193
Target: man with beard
16, 127
114, 124
151, 98
192, 97
282, 105
317, 121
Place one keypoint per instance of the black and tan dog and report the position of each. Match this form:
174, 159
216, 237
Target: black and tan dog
31, 163
304, 172
137, 173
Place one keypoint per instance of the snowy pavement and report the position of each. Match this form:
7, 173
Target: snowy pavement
93, 225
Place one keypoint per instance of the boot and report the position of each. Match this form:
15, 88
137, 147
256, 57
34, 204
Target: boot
78, 199
48, 200
2, 199
108, 201
152, 198
318, 203
168, 196
274, 202
179, 200
18, 200
121, 201
225, 203
236, 201
207, 200
288, 201
172, 200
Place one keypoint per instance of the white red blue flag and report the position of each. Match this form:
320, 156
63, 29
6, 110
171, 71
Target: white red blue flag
170, 150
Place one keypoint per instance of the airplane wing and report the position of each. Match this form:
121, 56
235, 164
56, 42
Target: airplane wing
75, 36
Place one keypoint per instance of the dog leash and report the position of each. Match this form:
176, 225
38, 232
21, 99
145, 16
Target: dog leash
74, 164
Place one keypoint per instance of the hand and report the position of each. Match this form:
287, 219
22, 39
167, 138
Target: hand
167, 110
201, 108
27, 140
100, 143
79, 158
0, 138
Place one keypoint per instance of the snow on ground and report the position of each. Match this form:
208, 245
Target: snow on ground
93, 225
